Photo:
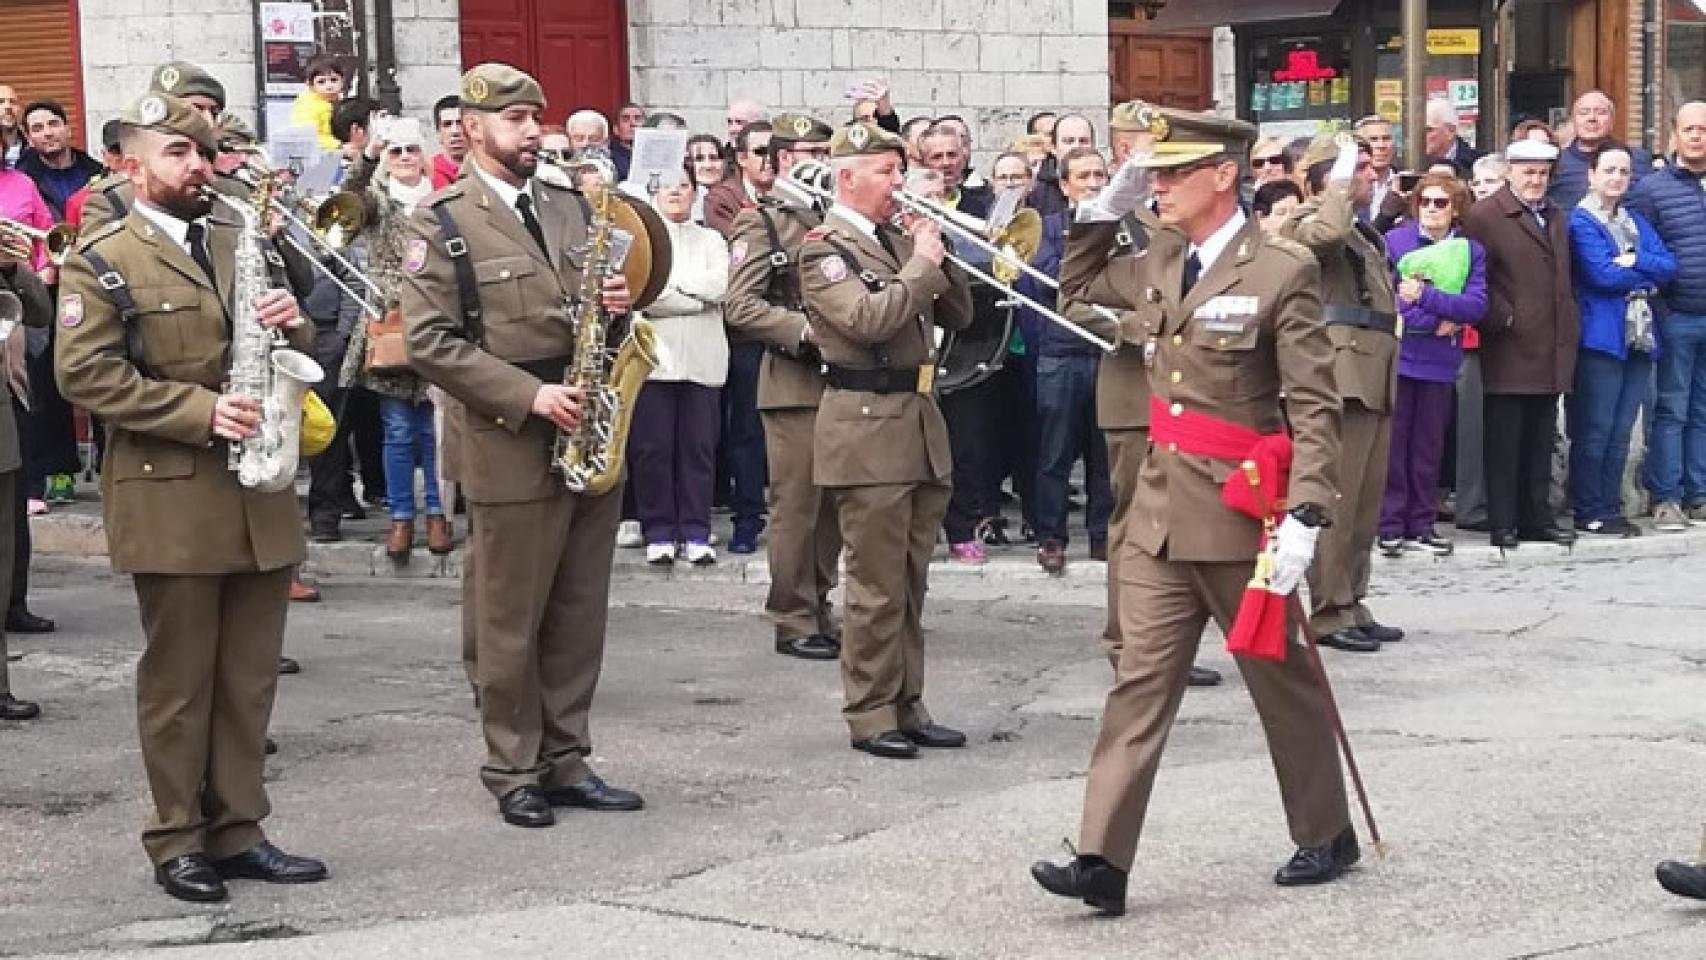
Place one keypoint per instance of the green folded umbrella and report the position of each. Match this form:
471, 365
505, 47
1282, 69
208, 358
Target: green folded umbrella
1445, 264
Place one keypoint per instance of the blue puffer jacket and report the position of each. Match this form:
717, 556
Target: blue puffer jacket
1602, 287
1674, 203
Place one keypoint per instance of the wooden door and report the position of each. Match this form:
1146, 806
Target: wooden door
577, 51
44, 57
1171, 71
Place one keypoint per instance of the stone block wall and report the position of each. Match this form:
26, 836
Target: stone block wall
993, 62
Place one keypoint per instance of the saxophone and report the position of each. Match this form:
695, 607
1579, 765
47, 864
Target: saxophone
590, 456
263, 367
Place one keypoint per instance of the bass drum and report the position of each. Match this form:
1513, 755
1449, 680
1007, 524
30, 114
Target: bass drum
968, 357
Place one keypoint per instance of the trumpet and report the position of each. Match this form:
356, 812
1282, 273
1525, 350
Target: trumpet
1013, 244
338, 218
58, 240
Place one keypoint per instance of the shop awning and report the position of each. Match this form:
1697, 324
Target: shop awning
1195, 14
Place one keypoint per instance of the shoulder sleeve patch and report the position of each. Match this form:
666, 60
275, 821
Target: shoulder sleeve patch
834, 268
70, 310
737, 253
415, 258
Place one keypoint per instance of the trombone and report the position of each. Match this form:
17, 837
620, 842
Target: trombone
1013, 245
58, 240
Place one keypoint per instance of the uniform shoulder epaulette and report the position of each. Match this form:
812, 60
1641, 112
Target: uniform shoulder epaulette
101, 233
1290, 246
559, 187
450, 192
110, 180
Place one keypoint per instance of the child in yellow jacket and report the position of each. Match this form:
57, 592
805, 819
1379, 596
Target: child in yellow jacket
313, 106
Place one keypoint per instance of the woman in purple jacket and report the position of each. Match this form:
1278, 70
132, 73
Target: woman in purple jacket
1434, 324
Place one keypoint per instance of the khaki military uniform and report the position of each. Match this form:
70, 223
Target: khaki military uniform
1362, 321
1122, 405
37, 312
1247, 330
763, 303
538, 593
884, 455
211, 560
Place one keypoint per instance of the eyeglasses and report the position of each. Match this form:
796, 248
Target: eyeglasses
1011, 177
399, 151
762, 150
706, 158
1438, 203
1257, 163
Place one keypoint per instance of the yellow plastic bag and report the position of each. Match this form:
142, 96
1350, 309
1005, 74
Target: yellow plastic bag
318, 425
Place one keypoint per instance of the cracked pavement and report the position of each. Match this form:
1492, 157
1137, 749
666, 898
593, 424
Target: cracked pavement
1533, 749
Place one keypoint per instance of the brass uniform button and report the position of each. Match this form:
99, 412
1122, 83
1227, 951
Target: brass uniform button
148, 468
1220, 341
1176, 409
498, 420
1176, 376
503, 274
1178, 339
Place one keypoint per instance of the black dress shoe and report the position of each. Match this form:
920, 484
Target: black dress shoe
1506, 539
1683, 879
263, 861
15, 709
1477, 526
1381, 632
593, 794
1202, 677
815, 647
1563, 536
1350, 640
1321, 863
526, 807
890, 745
935, 735
1090, 879
23, 621
288, 666
325, 535
191, 877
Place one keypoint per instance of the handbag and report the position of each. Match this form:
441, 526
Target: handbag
386, 351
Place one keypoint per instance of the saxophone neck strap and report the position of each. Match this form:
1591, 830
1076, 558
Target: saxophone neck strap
118, 291
467, 285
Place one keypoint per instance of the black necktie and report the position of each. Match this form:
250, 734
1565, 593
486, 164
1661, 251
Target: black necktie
197, 239
883, 238
524, 204
1193, 272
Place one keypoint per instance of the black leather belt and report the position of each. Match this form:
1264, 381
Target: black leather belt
1363, 317
549, 370
882, 380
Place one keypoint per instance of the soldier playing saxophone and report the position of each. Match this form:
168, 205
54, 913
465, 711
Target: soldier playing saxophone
489, 275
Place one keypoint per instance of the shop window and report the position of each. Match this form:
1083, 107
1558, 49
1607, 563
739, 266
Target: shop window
1539, 82
1453, 73
1300, 86
1685, 56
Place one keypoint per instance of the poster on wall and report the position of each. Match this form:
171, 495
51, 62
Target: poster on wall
289, 33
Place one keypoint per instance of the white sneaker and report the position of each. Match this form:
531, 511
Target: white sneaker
660, 554
698, 554
628, 534
1669, 518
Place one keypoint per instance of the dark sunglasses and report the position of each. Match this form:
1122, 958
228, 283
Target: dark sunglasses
706, 157
1257, 163
1438, 203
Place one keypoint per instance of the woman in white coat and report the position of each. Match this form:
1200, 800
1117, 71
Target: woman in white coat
672, 443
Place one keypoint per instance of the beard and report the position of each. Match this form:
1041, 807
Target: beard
521, 161
188, 202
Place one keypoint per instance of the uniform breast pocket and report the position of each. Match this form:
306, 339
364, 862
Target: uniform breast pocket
140, 460
167, 318
501, 280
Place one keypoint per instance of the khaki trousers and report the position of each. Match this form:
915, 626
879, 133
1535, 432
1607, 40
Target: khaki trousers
804, 541
890, 532
1338, 580
1126, 450
204, 693
1164, 607
540, 595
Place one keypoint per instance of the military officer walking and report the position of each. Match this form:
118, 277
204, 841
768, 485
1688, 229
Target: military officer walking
873, 297
492, 265
142, 344
1122, 388
1362, 321
1227, 319
763, 302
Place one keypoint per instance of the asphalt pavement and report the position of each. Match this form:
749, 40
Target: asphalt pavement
1533, 748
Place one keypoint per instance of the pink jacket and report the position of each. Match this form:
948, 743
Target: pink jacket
20, 201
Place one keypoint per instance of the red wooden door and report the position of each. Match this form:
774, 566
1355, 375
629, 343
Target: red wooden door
578, 51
